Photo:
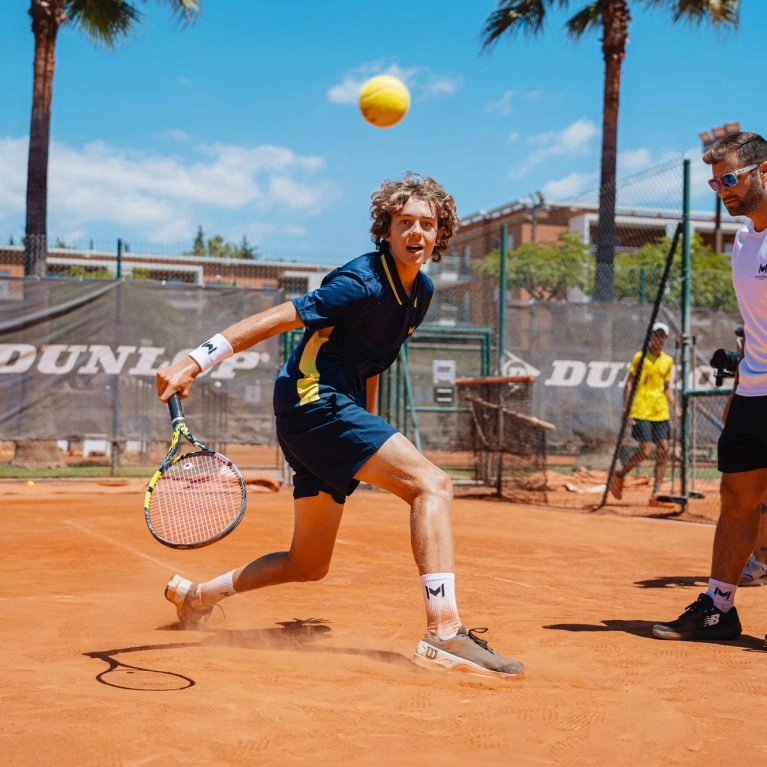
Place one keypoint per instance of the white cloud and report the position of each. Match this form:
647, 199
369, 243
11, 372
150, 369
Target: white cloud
347, 91
632, 160
421, 82
176, 135
163, 198
576, 137
13, 172
439, 85
569, 186
574, 140
505, 104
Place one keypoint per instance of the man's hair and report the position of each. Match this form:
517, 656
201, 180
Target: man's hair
391, 198
750, 147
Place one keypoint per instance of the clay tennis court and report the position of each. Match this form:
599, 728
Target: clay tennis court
95, 671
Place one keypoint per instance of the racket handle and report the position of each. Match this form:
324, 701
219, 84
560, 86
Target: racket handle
176, 412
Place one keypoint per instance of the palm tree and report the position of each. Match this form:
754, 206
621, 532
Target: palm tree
101, 20
612, 17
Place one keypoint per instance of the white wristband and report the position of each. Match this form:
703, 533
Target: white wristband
214, 350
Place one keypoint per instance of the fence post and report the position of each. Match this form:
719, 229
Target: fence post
685, 372
502, 301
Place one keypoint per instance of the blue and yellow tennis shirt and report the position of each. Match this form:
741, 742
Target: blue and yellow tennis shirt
356, 322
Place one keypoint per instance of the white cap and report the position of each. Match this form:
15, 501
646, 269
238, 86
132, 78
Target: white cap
662, 326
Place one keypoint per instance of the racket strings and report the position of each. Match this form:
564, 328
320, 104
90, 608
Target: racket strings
197, 498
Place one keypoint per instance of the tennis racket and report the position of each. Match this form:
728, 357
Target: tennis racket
193, 499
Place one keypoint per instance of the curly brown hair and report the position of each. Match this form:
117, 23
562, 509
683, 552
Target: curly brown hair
392, 196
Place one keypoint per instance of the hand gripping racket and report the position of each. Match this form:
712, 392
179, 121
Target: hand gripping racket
194, 499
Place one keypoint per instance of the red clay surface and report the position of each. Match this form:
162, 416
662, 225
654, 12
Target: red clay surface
95, 671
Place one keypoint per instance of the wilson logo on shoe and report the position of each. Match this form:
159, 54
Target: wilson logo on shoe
430, 652
438, 592
711, 620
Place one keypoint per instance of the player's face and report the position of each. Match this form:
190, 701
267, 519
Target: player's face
413, 233
746, 196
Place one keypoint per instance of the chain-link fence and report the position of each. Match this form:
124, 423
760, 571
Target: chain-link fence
548, 326
78, 349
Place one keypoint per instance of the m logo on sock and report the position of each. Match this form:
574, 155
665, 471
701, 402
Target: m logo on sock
723, 594
438, 592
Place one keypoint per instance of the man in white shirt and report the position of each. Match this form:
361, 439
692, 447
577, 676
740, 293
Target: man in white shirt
739, 163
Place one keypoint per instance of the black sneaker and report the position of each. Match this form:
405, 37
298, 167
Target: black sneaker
701, 620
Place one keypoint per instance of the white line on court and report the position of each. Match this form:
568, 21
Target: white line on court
119, 544
516, 583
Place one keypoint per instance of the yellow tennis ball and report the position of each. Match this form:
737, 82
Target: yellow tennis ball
384, 101
30, 482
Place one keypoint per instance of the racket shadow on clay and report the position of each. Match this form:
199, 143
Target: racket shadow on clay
130, 677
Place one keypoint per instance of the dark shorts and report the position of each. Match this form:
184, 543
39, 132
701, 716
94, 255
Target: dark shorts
743, 441
650, 431
327, 442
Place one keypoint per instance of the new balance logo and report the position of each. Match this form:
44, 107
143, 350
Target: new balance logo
711, 620
725, 594
438, 592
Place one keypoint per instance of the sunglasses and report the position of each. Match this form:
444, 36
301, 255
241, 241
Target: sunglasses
727, 180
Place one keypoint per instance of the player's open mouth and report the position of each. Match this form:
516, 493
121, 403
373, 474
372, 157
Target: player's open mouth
414, 248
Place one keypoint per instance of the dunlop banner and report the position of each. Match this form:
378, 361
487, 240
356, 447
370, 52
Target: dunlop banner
78, 360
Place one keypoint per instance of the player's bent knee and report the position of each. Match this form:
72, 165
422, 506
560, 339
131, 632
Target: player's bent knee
437, 482
306, 573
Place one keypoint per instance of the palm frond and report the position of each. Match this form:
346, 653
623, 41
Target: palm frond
523, 16
103, 20
586, 19
108, 20
698, 12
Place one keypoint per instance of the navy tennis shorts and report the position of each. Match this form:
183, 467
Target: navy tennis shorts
326, 443
650, 431
743, 441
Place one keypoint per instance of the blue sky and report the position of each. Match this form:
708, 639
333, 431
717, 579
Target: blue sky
246, 123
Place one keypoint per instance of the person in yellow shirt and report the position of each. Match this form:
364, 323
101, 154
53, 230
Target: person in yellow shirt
650, 411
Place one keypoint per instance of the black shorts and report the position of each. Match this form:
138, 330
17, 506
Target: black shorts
327, 442
650, 431
743, 441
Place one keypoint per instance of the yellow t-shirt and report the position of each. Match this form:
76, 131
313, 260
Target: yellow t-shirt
650, 403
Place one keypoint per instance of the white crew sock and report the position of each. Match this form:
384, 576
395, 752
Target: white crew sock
213, 591
441, 610
722, 593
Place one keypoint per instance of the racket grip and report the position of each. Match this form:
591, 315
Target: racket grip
174, 406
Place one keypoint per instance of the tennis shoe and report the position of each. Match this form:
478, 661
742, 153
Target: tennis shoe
181, 592
754, 573
616, 485
467, 652
701, 620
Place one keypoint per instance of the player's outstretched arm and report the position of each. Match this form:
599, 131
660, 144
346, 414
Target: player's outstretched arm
258, 327
179, 376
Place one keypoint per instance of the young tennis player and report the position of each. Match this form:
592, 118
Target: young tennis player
324, 403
